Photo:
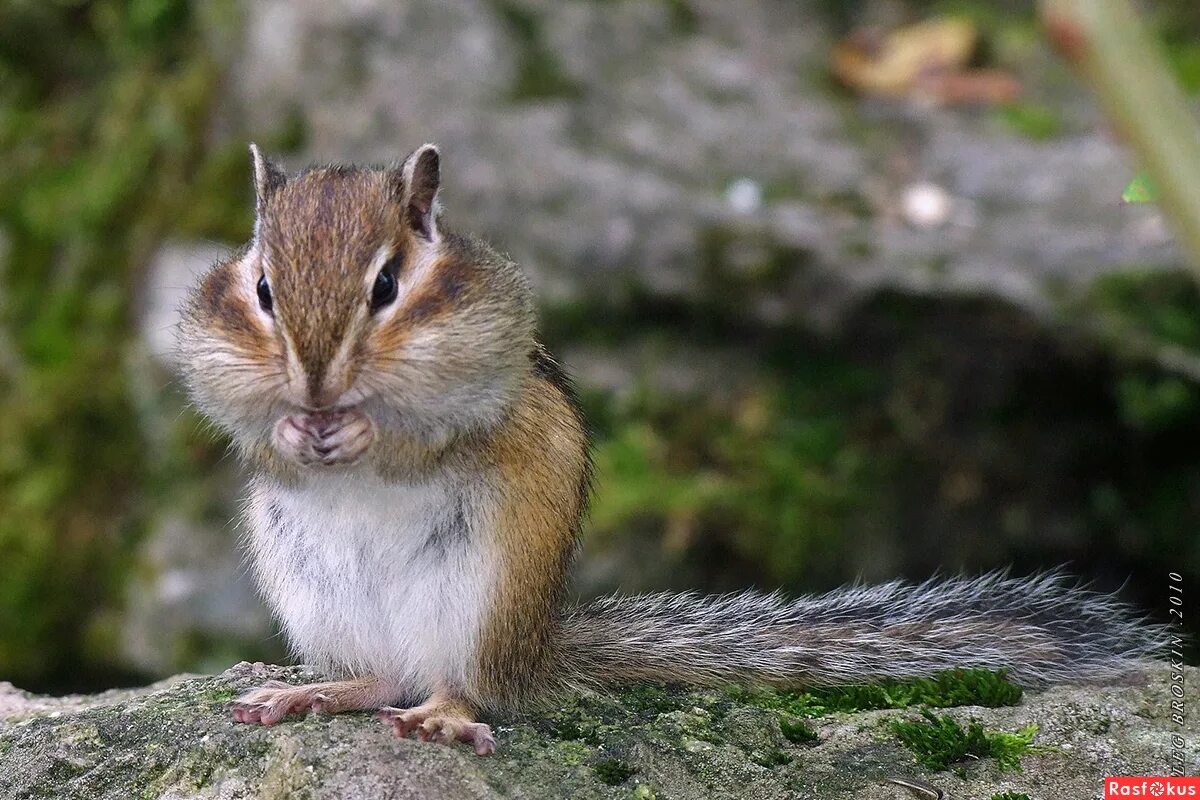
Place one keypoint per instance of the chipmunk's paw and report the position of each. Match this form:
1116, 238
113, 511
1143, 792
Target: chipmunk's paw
324, 438
434, 723
275, 700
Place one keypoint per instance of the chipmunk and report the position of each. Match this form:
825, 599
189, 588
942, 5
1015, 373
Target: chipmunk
420, 471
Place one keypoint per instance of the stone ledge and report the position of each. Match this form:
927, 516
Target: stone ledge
174, 739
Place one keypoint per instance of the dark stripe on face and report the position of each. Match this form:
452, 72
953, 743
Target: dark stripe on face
219, 297
445, 290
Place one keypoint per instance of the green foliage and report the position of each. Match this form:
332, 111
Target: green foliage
1162, 306
772, 477
1149, 313
1010, 796
960, 687
98, 108
613, 771
1184, 58
103, 112
1141, 189
938, 742
1177, 22
1156, 402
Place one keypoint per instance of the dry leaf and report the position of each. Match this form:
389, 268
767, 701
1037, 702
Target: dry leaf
928, 59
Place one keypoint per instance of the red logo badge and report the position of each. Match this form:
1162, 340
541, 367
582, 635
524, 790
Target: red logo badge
1151, 786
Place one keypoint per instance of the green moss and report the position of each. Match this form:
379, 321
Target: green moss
683, 17
731, 262
1178, 23
653, 699
797, 731
575, 725
698, 725
106, 139
1010, 796
1155, 402
571, 753
938, 742
1162, 306
960, 687
1184, 58
613, 771
220, 695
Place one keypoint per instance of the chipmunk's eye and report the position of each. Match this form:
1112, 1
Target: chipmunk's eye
384, 290
264, 294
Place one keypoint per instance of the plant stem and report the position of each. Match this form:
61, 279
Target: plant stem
1107, 41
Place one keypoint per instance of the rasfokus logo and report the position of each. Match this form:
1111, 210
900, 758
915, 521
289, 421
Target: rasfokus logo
1151, 786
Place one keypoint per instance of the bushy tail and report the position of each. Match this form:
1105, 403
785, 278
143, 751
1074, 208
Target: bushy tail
1041, 629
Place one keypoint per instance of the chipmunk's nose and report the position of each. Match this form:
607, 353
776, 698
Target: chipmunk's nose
323, 392
320, 386
322, 400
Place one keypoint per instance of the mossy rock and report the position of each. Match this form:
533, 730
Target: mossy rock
175, 739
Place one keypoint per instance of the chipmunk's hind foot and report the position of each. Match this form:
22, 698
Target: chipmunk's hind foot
441, 721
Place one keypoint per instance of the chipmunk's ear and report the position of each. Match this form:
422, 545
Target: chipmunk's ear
420, 177
268, 179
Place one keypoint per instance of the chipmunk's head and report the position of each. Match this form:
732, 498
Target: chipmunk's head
351, 299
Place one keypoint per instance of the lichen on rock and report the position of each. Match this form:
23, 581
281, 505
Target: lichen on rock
174, 739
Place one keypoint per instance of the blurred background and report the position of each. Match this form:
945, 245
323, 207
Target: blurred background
831, 317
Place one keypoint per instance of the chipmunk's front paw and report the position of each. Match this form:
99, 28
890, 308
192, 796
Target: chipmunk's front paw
275, 700
434, 723
324, 438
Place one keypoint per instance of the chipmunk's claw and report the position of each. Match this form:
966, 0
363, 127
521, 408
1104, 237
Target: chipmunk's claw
434, 724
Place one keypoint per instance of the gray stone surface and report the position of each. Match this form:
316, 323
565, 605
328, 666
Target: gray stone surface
667, 126
191, 601
170, 275
175, 740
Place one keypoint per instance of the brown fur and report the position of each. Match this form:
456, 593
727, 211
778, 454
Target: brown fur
540, 460
453, 279
319, 235
219, 302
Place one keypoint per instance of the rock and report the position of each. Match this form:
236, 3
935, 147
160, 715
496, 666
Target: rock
174, 739
191, 601
604, 145
171, 273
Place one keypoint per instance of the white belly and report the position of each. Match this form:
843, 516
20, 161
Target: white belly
371, 578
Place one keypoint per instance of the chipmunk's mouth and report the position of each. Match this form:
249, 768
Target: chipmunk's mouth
326, 438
